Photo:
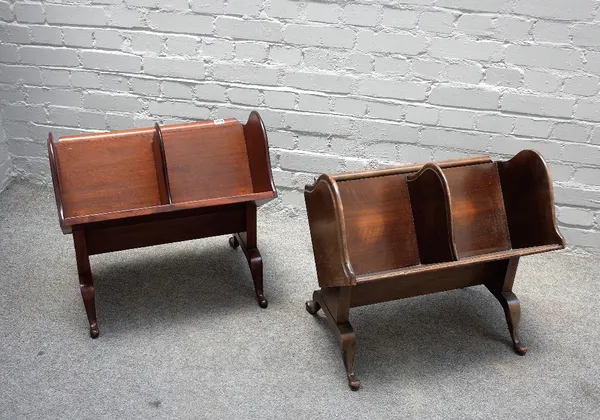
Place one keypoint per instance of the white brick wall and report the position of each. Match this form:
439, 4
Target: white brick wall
340, 85
5, 158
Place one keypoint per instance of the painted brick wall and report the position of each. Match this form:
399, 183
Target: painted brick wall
341, 85
5, 161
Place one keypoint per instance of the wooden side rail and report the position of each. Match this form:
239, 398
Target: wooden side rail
387, 234
406, 169
133, 188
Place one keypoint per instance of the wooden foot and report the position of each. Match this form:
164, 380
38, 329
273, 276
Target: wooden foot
247, 240
233, 242
512, 311
89, 301
348, 342
256, 268
94, 331
86, 284
501, 288
344, 332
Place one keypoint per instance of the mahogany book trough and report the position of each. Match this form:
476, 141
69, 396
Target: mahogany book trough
133, 188
386, 234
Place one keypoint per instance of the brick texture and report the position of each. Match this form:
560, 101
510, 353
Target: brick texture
340, 85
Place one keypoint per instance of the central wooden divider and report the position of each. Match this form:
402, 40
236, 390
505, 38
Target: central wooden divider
142, 187
388, 234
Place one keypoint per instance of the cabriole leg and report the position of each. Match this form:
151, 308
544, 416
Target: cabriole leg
256, 268
86, 284
512, 311
348, 342
339, 298
502, 291
247, 240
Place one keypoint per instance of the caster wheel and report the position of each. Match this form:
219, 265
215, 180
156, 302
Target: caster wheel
94, 331
312, 307
262, 301
233, 242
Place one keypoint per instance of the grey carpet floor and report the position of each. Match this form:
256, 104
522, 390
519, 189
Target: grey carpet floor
182, 337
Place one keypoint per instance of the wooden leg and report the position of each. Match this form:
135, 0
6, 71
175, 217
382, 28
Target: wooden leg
502, 290
248, 242
86, 284
348, 342
256, 268
340, 325
512, 311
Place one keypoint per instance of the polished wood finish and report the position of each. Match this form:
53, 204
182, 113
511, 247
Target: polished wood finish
328, 233
160, 163
527, 188
423, 283
56, 183
247, 239
108, 172
143, 187
478, 215
381, 235
501, 288
428, 199
122, 234
195, 152
262, 197
86, 284
407, 169
258, 154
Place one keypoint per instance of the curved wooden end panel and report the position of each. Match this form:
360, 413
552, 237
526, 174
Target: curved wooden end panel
432, 214
56, 184
257, 146
529, 200
327, 231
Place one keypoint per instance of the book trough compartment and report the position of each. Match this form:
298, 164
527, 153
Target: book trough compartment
387, 234
142, 187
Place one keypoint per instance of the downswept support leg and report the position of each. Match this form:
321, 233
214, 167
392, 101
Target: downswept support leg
86, 284
512, 311
339, 301
502, 290
247, 240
